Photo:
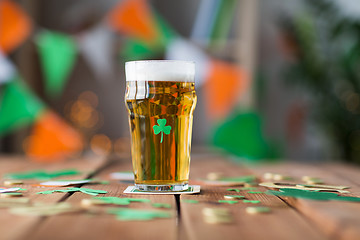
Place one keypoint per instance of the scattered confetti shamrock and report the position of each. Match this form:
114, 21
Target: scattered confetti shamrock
314, 195
244, 179
161, 128
127, 214
161, 205
120, 201
251, 201
228, 201
75, 189
233, 189
40, 174
189, 201
255, 192
44, 209
248, 188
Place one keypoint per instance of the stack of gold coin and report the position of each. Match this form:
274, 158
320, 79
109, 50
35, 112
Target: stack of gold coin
12, 182
278, 177
214, 176
312, 180
268, 176
233, 197
256, 210
217, 215
11, 195
88, 202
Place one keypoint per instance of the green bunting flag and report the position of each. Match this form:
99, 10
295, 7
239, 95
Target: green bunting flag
135, 49
19, 107
241, 134
57, 54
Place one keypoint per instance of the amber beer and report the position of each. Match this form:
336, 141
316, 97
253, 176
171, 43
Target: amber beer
160, 98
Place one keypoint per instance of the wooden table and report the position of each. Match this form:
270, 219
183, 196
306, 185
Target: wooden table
290, 218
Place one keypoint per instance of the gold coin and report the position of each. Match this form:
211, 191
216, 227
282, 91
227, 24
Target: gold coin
214, 176
12, 182
256, 210
11, 195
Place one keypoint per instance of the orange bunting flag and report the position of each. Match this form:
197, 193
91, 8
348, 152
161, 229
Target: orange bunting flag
52, 139
134, 18
225, 84
15, 26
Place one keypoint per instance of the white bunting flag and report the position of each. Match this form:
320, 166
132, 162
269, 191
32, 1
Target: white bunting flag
97, 47
181, 49
7, 69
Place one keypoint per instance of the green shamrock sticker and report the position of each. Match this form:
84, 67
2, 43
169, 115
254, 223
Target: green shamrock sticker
161, 128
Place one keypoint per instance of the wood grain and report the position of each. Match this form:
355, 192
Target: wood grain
339, 220
105, 226
17, 227
283, 223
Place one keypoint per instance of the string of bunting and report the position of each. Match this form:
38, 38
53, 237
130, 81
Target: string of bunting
145, 35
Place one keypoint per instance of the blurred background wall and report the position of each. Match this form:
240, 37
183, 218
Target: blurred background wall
247, 46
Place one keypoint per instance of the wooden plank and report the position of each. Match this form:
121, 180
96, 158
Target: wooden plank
339, 220
16, 227
105, 226
283, 223
349, 172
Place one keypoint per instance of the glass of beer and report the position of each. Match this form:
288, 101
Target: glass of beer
160, 99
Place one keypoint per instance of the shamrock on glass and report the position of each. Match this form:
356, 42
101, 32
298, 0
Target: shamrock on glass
161, 128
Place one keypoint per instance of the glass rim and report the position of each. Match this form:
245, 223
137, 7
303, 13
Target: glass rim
160, 70
162, 61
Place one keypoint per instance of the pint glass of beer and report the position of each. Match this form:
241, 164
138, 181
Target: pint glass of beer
160, 99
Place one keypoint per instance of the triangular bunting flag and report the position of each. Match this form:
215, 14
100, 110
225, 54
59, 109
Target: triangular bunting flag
97, 46
225, 83
52, 139
15, 26
57, 54
19, 107
181, 49
242, 134
7, 70
134, 18
136, 48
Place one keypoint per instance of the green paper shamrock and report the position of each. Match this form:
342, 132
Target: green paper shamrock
251, 201
126, 214
189, 201
161, 128
42, 175
88, 191
120, 201
228, 201
161, 205
313, 195
233, 189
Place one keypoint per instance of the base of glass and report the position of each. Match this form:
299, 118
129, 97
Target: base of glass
162, 188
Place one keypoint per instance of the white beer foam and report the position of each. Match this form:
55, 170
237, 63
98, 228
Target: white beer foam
160, 70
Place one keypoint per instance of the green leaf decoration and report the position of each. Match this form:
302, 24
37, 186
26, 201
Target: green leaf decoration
127, 214
255, 192
161, 128
313, 195
19, 107
121, 201
42, 175
88, 191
